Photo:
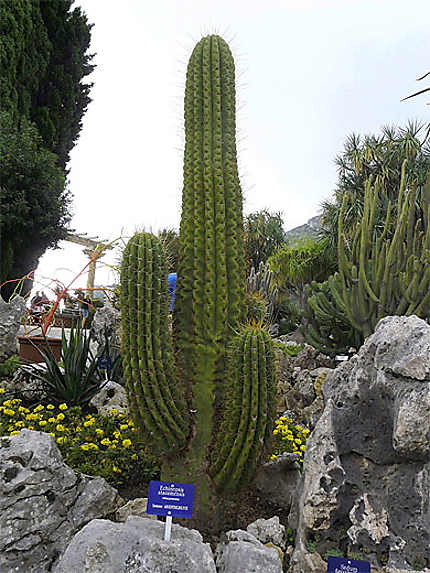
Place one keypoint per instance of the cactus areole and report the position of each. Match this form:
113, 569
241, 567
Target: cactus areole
202, 392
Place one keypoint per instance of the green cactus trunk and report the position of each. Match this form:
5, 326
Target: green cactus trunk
194, 395
210, 301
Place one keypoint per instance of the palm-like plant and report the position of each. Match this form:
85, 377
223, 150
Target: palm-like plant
264, 233
380, 158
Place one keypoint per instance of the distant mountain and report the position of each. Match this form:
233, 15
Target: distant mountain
309, 230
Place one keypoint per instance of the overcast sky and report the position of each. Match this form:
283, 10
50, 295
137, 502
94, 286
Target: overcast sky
308, 74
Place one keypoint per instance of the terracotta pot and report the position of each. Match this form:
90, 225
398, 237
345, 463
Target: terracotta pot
28, 347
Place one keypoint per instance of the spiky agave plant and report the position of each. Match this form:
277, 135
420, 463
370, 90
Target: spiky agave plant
204, 394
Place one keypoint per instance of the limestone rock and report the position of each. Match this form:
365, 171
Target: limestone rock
25, 384
136, 546
278, 480
269, 531
106, 321
367, 463
312, 413
242, 552
111, 396
43, 502
134, 507
11, 314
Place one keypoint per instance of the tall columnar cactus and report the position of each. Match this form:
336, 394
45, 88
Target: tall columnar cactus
384, 271
204, 400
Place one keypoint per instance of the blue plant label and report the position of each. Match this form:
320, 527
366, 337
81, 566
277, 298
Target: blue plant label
104, 362
345, 565
168, 498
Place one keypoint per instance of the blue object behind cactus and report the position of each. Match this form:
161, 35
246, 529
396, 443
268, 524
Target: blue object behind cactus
171, 279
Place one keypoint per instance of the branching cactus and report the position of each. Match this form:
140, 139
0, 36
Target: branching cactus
203, 391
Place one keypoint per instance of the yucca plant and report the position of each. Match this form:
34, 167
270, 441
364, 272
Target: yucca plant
78, 379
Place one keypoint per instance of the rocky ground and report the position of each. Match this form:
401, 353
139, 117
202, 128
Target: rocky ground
363, 492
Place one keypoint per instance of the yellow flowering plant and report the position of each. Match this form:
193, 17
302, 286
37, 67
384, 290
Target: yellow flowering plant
289, 437
106, 446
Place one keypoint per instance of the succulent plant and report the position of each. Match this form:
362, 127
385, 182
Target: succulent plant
202, 390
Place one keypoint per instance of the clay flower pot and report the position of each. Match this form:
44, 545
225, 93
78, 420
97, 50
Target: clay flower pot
29, 345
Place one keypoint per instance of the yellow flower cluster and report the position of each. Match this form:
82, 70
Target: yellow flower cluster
289, 437
101, 445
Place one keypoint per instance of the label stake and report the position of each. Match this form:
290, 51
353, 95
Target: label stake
168, 528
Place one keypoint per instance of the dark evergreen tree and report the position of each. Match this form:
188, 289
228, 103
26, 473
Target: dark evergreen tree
62, 97
34, 200
43, 62
44, 59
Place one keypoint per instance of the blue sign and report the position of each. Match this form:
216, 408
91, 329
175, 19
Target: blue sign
168, 498
104, 362
345, 565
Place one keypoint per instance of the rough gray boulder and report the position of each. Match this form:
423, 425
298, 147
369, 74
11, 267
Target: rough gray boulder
136, 506
111, 396
106, 320
11, 314
43, 502
269, 531
136, 546
241, 551
299, 383
367, 463
25, 384
277, 480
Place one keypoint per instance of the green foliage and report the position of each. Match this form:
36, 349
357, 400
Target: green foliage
289, 314
333, 553
295, 266
312, 544
256, 307
106, 446
9, 366
191, 402
24, 53
35, 204
290, 535
327, 326
291, 350
379, 158
79, 380
44, 60
387, 275
264, 233
384, 273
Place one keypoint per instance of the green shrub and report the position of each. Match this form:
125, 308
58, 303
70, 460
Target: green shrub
9, 366
296, 266
290, 349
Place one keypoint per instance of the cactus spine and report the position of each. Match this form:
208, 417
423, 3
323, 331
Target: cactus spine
216, 388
